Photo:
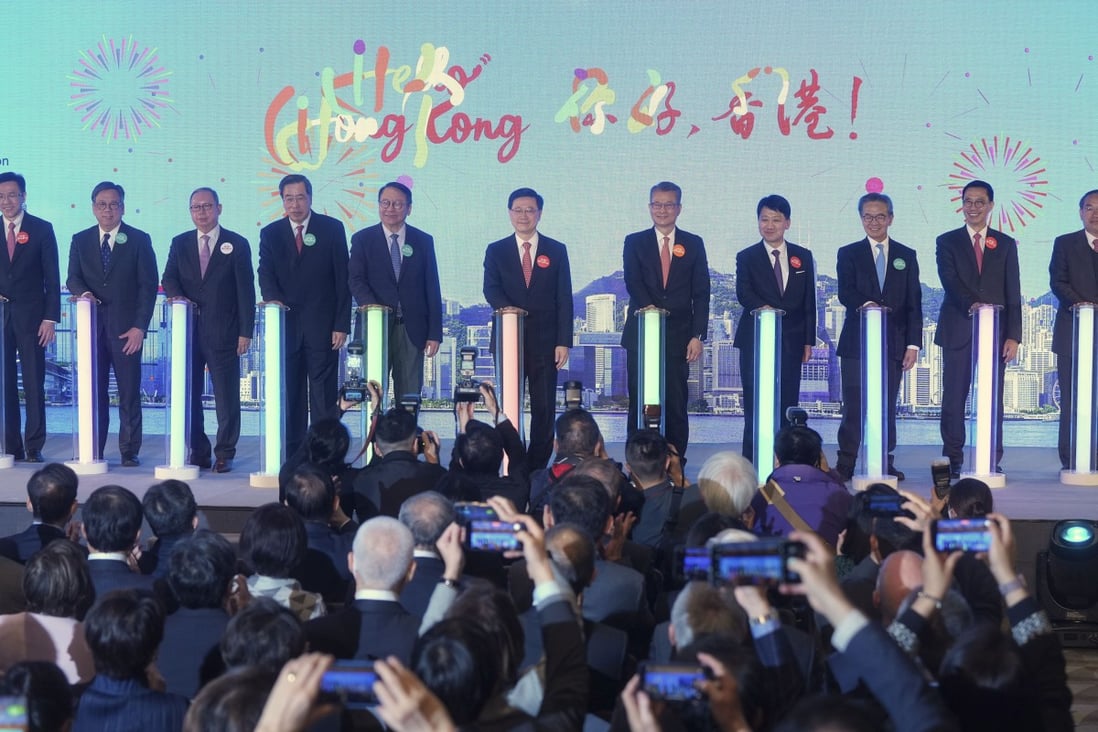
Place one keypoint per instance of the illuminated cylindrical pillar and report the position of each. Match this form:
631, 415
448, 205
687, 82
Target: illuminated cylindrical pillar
984, 423
7, 460
1083, 469
179, 324
873, 465
85, 392
271, 325
767, 386
368, 360
510, 328
651, 369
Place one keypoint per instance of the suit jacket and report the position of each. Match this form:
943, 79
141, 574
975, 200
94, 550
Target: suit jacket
373, 283
548, 300
902, 294
190, 653
1073, 276
313, 285
127, 290
998, 283
416, 594
686, 297
32, 280
324, 568
383, 485
756, 288
113, 574
225, 297
113, 705
365, 630
24, 545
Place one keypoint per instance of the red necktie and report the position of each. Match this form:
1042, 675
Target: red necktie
979, 251
665, 259
527, 264
11, 240
298, 240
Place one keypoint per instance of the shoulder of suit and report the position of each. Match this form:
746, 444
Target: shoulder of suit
687, 236
551, 242
505, 241
1003, 238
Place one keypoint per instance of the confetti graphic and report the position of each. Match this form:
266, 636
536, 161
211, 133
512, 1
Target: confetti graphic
1016, 172
120, 89
347, 181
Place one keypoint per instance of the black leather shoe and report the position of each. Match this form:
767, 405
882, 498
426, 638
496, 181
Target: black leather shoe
223, 465
898, 474
955, 471
34, 456
200, 463
130, 461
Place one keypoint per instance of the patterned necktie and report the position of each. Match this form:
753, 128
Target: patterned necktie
778, 271
204, 255
11, 240
979, 250
298, 239
665, 259
527, 264
881, 266
394, 254
105, 252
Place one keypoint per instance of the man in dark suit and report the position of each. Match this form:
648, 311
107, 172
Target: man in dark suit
876, 270
427, 515
114, 263
1073, 275
529, 271
51, 498
212, 267
666, 267
976, 265
303, 266
394, 264
311, 494
31, 282
386, 483
112, 526
775, 273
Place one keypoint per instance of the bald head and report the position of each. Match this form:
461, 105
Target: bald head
382, 555
900, 573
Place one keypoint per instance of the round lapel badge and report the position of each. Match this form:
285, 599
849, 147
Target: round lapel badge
406, 251
991, 242
795, 262
226, 248
899, 264
121, 238
22, 238
543, 261
309, 240
679, 250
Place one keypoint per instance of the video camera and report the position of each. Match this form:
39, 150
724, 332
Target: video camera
354, 384
466, 386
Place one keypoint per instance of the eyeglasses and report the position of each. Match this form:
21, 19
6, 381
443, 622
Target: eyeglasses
524, 211
112, 206
295, 199
395, 205
969, 203
875, 218
11, 197
196, 207
663, 206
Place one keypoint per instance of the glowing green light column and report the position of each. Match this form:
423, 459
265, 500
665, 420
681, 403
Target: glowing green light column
374, 363
271, 325
7, 460
873, 465
85, 394
768, 387
179, 320
1082, 469
984, 423
651, 346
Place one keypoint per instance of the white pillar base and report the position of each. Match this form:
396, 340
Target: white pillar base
263, 480
1081, 477
168, 472
993, 480
93, 467
861, 482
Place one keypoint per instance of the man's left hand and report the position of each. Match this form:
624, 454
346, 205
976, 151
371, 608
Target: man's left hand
910, 356
807, 354
133, 338
693, 350
1010, 350
430, 349
338, 339
560, 356
242, 345
45, 333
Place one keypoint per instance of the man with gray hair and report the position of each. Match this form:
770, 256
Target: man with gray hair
426, 515
376, 625
728, 483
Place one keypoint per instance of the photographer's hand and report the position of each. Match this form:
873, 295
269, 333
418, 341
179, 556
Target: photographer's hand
430, 447
642, 712
490, 402
464, 412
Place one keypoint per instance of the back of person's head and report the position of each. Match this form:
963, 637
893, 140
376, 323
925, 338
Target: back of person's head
57, 581
395, 431
427, 515
460, 663
577, 433
828, 713
756, 698
112, 518
200, 570
983, 682
701, 609
710, 524
311, 492
970, 498
231, 703
581, 500
573, 553
605, 471
52, 493
124, 629
479, 448
273, 541
263, 634
727, 481
326, 445
646, 453
493, 611
888, 533
900, 573
382, 554
798, 446
170, 508
49, 697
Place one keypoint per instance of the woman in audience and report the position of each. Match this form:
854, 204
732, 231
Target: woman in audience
272, 545
44, 686
969, 498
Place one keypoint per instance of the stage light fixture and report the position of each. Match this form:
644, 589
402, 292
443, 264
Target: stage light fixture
1067, 582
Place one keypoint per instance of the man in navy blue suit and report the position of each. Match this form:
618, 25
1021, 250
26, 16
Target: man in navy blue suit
212, 267
667, 268
777, 274
976, 265
876, 270
530, 271
303, 266
31, 282
394, 264
1073, 275
114, 264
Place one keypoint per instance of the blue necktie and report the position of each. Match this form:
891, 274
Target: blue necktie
881, 266
105, 252
394, 253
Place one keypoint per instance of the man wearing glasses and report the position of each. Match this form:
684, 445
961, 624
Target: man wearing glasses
666, 267
882, 271
114, 264
976, 265
303, 266
393, 264
31, 282
530, 271
212, 267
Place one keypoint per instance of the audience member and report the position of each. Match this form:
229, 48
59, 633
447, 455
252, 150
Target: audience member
969, 498
664, 519
231, 703
51, 499
49, 700
273, 545
263, 634
397, 473
112, 528
728, 483
172, 514
11, 587
312, 495
427, 515
326, 445
577, 439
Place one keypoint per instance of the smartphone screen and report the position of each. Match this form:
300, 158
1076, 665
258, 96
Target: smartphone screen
493, 536
672, 682
351, 683
966, 535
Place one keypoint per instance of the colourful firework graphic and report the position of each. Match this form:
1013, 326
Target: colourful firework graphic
1017, 175
120, 88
